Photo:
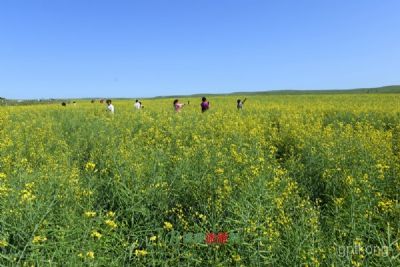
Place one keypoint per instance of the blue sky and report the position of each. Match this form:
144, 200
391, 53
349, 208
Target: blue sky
99, 48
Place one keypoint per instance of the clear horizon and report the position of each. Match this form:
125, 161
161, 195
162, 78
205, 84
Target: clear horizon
130, 49
201, 93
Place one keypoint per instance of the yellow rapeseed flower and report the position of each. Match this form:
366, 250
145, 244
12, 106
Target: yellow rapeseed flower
202, 216
110, 214
338, 201
111, 224
3, 243
4, 190
168, 225
90, 254
90, 166
27, 194
90, 214
39, 239
96, 234
153, 238
140, 252
386, 205
236, 257
219, 171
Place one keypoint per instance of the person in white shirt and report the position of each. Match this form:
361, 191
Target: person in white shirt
137, 104
240, 103
110, 107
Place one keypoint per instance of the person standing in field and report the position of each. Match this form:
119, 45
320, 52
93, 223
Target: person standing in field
240, 103
205, 105
178, 106
110, 107
137, 104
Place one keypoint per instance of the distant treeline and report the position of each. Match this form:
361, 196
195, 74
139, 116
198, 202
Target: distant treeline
13, 102
392, 89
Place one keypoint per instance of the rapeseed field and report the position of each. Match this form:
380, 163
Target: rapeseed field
289, 180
